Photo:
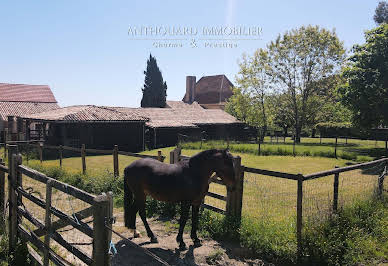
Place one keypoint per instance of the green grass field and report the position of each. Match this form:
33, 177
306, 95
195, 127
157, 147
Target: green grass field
263, 195
269, 203
352, 149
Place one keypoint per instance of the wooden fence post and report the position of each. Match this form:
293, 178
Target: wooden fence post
177, 154
335, 147
41, 152
380, 181
12, 196
335, 192
299, 215
386, 146
293, 146
260, 146
83, 153
172, 160
234, 199
27, 151
47, 224
116, 160
60, 155
110, 220
160, 158
2, 193
19, 177
101, 241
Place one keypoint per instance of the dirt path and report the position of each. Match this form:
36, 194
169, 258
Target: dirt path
210, 253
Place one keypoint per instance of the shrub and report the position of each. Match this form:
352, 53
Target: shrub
356, 235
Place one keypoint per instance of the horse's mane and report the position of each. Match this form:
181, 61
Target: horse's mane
203, 155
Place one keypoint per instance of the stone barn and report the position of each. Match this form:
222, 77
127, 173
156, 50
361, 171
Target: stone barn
21, 100
97, 127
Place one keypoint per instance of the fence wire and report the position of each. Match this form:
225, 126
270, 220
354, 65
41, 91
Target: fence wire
269, 205
355, 185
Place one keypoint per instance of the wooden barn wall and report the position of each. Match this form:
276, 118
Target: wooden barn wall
166, 137
128, 136
225, 131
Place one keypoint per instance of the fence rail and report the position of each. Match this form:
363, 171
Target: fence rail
115, 152
344, 169
99, 204
234, 201
101, 210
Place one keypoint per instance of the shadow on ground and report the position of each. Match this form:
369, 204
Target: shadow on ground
128, 255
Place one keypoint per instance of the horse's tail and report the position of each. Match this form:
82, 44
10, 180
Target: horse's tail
128, 202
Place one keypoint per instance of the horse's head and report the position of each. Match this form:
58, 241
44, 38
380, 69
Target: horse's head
225, 168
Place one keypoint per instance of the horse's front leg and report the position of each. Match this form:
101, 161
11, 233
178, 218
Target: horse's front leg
185, 207
194, 225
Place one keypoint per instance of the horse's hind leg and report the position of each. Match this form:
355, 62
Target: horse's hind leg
133, 211
185, 207
194, 225
142, 212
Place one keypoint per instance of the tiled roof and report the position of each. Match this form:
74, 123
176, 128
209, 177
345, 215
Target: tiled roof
24, 108
79, 113
179, 114
26, 93
212, 89
182, 105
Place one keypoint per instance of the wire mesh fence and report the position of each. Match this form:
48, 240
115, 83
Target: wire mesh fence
354, 185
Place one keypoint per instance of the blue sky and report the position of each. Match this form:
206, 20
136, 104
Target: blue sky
83, 51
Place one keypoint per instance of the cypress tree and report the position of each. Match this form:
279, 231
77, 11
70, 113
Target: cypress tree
154, 89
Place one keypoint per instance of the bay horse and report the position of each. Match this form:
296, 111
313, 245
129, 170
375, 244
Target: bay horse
185, 182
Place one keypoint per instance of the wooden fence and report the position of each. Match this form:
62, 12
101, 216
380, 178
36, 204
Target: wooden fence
101, 210
115, 152
234, 200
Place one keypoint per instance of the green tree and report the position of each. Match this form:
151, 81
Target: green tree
245, 108
300, 59
282, 111
381, 13
255, 82
154, 89
366, 75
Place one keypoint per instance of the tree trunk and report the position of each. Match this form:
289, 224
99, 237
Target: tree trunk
313, 131
298, 130
264, 117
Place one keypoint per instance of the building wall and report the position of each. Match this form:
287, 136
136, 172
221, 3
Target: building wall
128, 136
166, 137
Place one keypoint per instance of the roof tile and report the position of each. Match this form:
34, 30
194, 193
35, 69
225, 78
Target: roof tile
26, 93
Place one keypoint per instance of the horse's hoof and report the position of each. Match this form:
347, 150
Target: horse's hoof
182, 246
154, 240
197, 243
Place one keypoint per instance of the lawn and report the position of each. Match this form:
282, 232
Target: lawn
269, 203
272, 197
352, 149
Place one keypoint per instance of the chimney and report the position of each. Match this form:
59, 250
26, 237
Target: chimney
190, 89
